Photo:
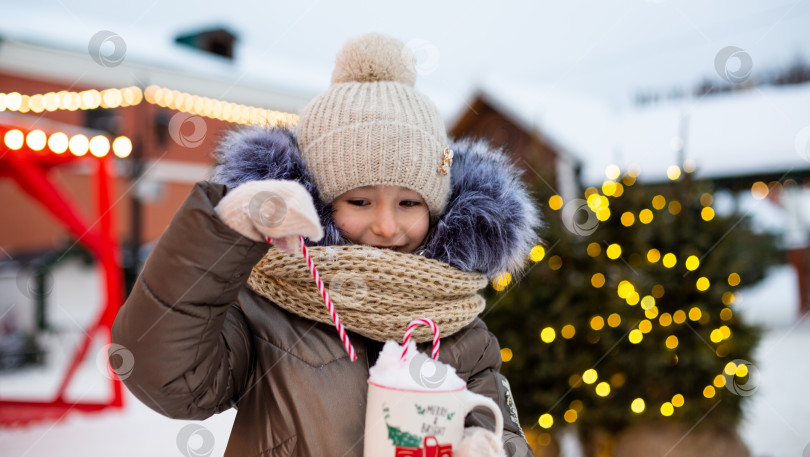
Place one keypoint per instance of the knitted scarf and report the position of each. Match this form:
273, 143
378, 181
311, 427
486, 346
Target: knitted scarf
376, 292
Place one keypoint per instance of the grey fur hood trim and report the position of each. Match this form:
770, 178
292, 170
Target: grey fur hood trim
490, 223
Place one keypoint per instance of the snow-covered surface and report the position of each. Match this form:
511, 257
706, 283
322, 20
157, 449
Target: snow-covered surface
777, 422
134, 431
772, 303
776, 425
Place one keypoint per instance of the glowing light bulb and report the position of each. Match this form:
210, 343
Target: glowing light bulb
36, 140
603, 389
506, 354
58, 142
613, 172
667, 409
568, 331
99, 146
79, 144
555, 202
14, 139
673, 172
122, 147
627, 219
570, 416
733, 279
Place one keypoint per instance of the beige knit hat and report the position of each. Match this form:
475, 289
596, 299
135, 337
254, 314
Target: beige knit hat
371, 127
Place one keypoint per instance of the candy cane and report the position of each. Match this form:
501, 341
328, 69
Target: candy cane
412, 326
325, 295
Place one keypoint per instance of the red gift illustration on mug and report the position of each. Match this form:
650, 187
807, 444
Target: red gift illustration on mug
433, 449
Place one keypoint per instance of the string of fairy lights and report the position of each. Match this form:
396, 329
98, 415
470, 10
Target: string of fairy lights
100, 145
131, 96
59, 143
599, 204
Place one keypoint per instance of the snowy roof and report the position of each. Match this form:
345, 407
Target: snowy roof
739, 133
759, 130
576, 124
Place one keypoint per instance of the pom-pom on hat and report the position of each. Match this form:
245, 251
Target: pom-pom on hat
371, 127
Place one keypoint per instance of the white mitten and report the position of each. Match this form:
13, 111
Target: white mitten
278, 209
479, 442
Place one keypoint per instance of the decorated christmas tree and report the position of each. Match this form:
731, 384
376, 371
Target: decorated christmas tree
627, 313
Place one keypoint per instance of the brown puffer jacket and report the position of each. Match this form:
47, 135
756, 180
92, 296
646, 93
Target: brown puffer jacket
203, 342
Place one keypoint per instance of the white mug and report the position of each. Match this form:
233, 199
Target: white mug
419, 423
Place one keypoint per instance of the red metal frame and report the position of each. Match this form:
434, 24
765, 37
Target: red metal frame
29, 169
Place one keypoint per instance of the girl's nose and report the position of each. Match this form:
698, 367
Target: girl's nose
385, 224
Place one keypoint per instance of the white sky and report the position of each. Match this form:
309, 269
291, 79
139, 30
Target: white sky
609, 49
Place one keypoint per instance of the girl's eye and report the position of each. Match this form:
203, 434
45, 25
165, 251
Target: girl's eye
358, 202
410, 203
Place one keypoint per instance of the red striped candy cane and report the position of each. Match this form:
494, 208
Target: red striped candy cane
412, 326
325, 295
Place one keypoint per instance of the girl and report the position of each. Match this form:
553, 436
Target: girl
400, 223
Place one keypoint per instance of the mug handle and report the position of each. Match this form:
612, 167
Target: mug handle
473, 399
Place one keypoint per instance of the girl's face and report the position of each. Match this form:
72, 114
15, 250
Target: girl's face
391, 217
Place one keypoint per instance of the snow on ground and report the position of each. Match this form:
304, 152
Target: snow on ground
134, 431
777, 423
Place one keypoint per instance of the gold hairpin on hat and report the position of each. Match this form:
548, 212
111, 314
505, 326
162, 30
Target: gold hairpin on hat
447, 161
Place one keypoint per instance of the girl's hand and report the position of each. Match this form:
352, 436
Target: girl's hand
479, 442
279, 209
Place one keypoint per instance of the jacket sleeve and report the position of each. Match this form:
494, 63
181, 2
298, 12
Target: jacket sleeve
189, 344
487, 380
